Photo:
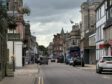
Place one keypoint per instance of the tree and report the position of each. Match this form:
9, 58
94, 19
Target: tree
44, 49
24, 10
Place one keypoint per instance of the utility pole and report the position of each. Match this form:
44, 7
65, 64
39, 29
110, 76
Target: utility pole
13, 57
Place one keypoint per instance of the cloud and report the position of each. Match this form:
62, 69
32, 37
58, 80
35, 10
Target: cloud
50, 8
49, 16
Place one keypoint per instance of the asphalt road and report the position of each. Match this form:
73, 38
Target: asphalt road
56, 73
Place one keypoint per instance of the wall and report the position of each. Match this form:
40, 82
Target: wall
92, 40
100, 22
18, 52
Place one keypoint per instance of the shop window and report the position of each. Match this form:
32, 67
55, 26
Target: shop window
110, 2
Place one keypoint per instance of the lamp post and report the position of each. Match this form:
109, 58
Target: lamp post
13, 57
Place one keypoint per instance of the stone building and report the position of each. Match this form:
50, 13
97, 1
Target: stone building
27, 43
50, 49
88, 47
73, 41
34, 49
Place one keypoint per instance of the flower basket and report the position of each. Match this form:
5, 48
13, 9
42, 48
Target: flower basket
107, 45
12, 26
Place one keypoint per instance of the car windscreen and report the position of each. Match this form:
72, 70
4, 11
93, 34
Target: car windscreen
107, 58
68, 57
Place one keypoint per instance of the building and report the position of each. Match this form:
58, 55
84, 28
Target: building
27, 44
34, 50
100, 24
50, 49
108, 28
58, 42
88, 47
16, 34
74, 41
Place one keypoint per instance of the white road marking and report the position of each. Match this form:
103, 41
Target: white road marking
39, 80
42, 80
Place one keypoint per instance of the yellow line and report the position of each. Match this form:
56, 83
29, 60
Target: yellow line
39, 80
42, 80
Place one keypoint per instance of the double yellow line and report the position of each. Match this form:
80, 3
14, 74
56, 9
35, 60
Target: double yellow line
40, 80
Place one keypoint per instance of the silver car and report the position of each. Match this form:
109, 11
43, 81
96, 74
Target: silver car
105, 63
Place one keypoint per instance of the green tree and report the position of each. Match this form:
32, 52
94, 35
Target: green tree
24, 10
44, 49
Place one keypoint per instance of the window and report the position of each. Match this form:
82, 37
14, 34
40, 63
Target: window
110, 12
107, 34
99, 33
110, 2
96, 35
97, 16
103, 11
110, 33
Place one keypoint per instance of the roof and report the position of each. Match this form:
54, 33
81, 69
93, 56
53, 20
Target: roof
100, 4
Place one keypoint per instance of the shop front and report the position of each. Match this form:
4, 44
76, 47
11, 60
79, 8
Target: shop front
108, 48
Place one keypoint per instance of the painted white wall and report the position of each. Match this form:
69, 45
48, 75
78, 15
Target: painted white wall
17, 51
100, 23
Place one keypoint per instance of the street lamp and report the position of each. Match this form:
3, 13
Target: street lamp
13, 57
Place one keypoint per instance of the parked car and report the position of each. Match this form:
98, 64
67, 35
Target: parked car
78, 61
53, 60
105, 63
69, 60
43, 60
60, 59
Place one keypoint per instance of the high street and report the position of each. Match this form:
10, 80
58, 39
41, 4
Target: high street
55, 73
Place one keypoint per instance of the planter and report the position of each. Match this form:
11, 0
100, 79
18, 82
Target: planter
12, 26
107, 45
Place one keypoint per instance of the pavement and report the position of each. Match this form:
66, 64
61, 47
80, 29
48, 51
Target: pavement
25, 75
88, 67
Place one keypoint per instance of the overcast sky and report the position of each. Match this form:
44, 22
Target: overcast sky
48, 17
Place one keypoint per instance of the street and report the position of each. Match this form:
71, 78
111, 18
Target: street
56, 73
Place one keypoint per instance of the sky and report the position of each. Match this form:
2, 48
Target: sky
48, 17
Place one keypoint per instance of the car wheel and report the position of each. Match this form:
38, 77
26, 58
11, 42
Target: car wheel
82, 64
40, 63
73, 64
98, 70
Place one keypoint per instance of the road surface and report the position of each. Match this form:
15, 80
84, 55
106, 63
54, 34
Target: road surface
56, 73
